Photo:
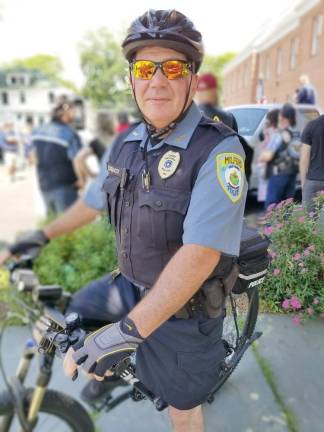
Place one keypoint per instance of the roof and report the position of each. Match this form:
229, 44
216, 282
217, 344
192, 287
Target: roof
35, 77
273, 30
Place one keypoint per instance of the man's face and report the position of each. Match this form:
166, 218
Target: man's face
206, 97
161, 100
69, 115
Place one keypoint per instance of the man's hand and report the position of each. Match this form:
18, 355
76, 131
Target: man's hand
105, 348
31, 240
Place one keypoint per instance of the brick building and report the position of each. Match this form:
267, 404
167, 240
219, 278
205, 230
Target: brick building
270, 66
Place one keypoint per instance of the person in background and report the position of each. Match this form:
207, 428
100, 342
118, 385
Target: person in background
103, 138
123, 122
207, 100
9, 142
55, 145
306, 93
270, 128
311, 164
282, 157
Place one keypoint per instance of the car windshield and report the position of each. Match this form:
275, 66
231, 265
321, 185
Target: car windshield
248, 119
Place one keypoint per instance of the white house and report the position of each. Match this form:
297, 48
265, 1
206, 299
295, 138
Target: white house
27, 94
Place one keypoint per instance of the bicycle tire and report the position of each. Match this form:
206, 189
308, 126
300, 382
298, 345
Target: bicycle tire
251, 308
55, 404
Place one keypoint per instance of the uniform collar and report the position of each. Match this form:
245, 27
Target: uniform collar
179, 137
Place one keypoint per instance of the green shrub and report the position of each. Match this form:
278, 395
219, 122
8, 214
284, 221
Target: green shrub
78, 258
295, 281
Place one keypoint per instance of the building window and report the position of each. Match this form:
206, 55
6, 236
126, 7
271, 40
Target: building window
268, 69
279, 61
51, 97
316, 34
22, 80
294, 53
22, 97
4, 98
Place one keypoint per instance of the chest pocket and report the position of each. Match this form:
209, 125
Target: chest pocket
161, 216
111, 187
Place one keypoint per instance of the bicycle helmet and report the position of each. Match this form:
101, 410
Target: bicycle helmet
166, 28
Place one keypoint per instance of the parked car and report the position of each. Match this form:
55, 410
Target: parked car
250, 120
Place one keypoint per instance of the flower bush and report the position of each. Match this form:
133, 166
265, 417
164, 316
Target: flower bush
295, 281
78, 258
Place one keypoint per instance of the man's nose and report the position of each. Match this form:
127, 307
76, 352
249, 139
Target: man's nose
158, 79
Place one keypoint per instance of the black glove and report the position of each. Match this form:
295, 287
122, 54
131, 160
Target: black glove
108, 346
33, 240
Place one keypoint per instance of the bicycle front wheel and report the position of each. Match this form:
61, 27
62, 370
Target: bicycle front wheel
58, 412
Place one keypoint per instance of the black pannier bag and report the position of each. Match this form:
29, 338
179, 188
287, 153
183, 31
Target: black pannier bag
253, 260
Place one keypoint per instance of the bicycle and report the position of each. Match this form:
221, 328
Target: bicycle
39, 405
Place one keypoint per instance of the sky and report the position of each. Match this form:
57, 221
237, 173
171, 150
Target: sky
56, 27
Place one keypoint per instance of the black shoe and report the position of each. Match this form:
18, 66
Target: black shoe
94, 390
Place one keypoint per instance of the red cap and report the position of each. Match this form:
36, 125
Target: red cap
206, 81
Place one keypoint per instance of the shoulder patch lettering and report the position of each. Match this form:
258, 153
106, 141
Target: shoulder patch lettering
230, 174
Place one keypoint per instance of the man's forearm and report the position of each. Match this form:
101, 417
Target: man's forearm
179, 281
304, 162
78, 215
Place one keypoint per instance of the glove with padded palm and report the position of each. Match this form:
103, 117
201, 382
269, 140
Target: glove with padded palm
105, 348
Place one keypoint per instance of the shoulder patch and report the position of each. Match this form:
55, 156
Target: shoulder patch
230, 174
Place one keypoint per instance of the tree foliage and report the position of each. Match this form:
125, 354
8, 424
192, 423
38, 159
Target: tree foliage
51, 66
104, 68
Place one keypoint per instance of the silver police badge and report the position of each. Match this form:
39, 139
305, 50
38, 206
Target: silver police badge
168, 164
230, 173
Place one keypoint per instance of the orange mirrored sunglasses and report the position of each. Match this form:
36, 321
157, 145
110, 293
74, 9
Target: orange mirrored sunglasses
172, 69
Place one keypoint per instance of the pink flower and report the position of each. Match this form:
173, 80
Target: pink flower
286, 304
276, 271
316, 301
321, 192
295, 302
310, 311
270, 207
273, 254
296, 320
301, 219
279, 226
306, 252
268, 230
297, 257
311, 248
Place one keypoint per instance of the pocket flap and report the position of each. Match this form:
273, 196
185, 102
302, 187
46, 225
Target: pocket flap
165, 200
111, 184
202, 361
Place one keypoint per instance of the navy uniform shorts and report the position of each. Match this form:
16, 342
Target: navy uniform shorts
179, 362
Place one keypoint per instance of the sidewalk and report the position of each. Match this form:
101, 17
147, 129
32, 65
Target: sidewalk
20, 204
246, 402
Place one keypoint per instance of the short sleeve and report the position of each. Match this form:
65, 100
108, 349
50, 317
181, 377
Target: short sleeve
274, 143
306, 137
74, 145
215, 214
94, 197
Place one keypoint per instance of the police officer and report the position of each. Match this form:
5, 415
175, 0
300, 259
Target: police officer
176, 192
56, 144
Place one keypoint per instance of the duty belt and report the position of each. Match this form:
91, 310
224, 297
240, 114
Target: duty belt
194, 308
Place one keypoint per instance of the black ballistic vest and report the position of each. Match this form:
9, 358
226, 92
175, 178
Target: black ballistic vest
149, 224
